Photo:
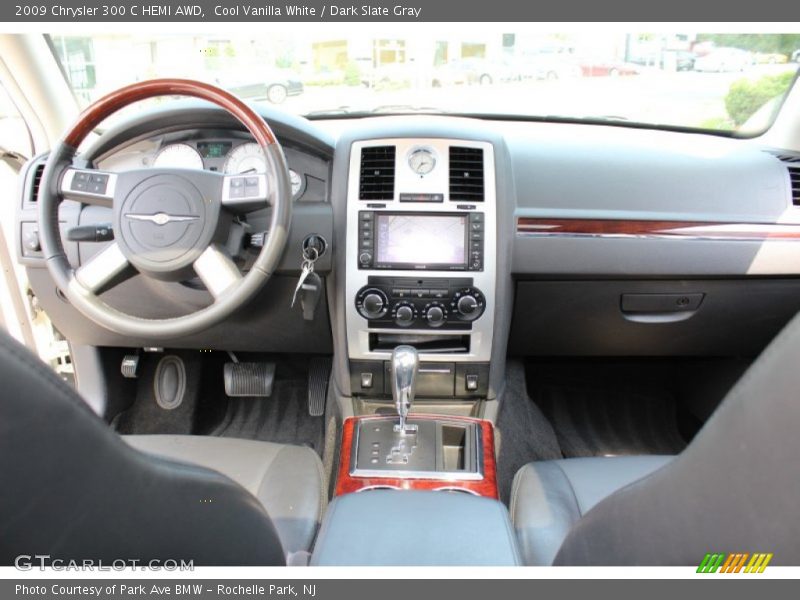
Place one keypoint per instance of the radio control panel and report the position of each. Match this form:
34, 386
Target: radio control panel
408, 302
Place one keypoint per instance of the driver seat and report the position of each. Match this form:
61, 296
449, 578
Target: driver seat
73, 489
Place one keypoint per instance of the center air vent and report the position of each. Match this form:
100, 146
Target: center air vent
37, 179
377, 173
466, 174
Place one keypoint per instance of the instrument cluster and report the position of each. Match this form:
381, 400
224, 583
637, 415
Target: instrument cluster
242, 159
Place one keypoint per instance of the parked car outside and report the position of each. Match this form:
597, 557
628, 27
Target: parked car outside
724, 60
548, 66
274, 85
770, 58
590, 68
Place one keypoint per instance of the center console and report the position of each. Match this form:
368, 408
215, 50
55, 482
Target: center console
420, 452
420, 263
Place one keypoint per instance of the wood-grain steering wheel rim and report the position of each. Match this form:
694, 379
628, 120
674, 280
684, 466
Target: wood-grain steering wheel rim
61, 158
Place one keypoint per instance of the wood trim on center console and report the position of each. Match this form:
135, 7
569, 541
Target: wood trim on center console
347, 483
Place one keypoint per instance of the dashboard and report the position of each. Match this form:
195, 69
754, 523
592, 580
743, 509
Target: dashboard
576, 240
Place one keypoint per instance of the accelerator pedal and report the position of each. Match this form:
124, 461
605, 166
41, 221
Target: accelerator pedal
319, 373
248, 379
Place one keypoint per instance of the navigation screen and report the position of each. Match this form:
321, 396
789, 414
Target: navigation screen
420, 239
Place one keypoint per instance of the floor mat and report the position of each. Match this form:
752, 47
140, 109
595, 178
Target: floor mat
145, 416
523, 433
282, 418
608, 409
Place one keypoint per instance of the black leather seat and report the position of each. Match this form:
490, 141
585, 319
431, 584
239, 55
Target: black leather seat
74, 489
735, 488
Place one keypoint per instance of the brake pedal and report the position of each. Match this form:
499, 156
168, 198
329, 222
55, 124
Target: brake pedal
319, 372
249, 379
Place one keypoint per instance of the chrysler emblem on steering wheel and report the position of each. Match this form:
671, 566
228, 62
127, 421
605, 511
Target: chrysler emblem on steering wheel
161, 218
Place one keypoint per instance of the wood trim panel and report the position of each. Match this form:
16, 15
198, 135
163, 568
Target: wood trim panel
90, 118
347, 483
702, 230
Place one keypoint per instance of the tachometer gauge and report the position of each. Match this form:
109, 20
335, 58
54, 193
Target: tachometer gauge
422, 161
296, 181
246, 158
178, 156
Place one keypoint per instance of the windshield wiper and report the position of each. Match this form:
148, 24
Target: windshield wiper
384, 109
325, 112
406, 108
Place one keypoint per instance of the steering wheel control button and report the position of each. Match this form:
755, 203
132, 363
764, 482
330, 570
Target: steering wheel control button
246, 192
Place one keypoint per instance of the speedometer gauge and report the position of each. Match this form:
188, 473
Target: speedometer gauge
246, 158
178, 156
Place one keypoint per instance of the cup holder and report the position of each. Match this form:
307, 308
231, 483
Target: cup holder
454, 488
369, 488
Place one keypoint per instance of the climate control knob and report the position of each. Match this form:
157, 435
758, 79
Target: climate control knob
435, 315
468, 304
372, 303
404, 314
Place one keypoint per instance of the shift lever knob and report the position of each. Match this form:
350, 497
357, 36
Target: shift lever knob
404, 380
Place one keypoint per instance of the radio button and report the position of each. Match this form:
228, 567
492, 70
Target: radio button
365, 258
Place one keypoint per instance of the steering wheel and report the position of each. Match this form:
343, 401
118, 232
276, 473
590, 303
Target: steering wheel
168, 223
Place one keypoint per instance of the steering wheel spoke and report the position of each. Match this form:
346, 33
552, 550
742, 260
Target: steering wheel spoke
89, 186
107, 268
217, 271
245, 193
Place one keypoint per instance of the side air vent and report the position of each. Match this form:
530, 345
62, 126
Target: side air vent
466, 174
792, 163
794, 176
37, 179
377, 173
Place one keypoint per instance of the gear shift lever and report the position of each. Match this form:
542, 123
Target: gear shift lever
404, 380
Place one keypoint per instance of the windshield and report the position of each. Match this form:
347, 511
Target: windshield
721, 82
